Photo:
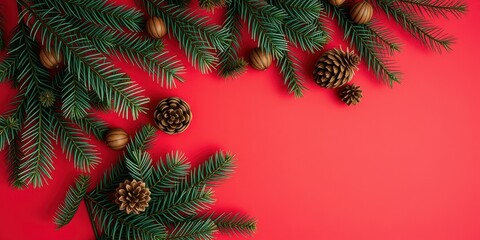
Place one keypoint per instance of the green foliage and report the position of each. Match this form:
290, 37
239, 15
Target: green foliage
211, 4
92, 125
8, 129
434, 8
179, 197
74, 197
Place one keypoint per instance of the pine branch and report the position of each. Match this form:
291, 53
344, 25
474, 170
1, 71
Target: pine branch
168, 173
193, 230
73, 198
74, 144
92, 125
84, 60
177, 205
209, 173
288, 65
234, 224
8, 129
434, 8
99, 12
139, 165
75, 99
305, 11
14, 161
7, 68
180, 3
366, 46
264, 22
198, 39
210, 5
430, 35
383, 36
119, 225
231, 65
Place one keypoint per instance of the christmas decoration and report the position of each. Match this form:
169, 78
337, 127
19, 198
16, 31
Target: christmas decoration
260, 59
117, 138
47, 98
361, 12
172, 115
336, 3
335, 68
180, 197
132, 196
350, 94
50, 59
156, 27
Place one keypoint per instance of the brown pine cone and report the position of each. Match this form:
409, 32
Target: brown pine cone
351, 94
172, 115
335, 68
132, 197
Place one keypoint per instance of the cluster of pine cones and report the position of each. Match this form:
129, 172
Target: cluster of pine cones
334, 70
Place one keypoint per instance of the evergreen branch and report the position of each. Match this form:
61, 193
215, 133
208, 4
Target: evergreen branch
14, 161
73, 198
309, 37
428, 34
195, 36
177, 205
75, 99
8, 129
383, 36
288, 65
305, 11
211, 4
193, 230
92, 125
100, 12
434, 8
168, 173
234, 224
98, 103
74, 144
84, 60
142, 140
264, 22
180, 3
216, 168
139, 165
231, 65
119, 225
7, 68
366, 46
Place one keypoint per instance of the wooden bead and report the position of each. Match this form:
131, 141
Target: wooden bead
117, 138
336, 2
362, 12
156, 27
260, 59
50, 59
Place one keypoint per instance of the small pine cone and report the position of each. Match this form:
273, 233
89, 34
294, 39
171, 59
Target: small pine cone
351, 94
172, 115
335, 68
132, 197
47, 98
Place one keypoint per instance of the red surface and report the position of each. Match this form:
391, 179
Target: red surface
404, 164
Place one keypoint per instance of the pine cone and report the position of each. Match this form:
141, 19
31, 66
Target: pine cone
132, 196
335, 68
172, 115
351, 94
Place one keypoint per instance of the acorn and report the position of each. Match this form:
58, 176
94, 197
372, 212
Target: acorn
336, 3
156, 27
362, 12
260, 59
50, 59
117, 138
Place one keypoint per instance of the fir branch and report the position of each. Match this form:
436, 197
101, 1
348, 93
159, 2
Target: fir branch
168, 173
8, 129
366, 46
216, 168
305, 11
192, 230
92, 125
74, 144
198, 39
119, 225
180, 3
177, 205
209, 5
264, 22
234, 224
139, 165
383, 36
434, 8
431, 36
99, 12
73, 198
231, 65
75, 99
7, 68
14, 161
288, 65
84, 60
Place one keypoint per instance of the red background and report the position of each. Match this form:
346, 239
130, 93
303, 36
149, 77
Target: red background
403, 164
